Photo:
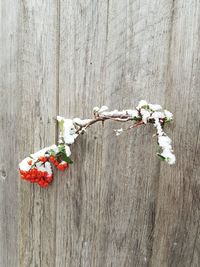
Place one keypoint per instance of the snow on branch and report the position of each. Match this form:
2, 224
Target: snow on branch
37, 168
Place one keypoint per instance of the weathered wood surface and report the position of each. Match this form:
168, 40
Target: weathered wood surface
118, 205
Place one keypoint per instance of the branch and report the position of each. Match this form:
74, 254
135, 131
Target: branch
37, 168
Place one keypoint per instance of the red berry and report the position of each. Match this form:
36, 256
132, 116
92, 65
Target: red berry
40, 183
30, 162
60, 167
65, 165
42, 159
34, 171
56, 163
49, 178
28, 176
52, 159
45, 184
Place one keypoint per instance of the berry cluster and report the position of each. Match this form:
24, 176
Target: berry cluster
59, 165
42, 178
38, 167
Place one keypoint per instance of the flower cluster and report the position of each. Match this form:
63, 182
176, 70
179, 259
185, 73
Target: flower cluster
143, 114
37, 168
154, 114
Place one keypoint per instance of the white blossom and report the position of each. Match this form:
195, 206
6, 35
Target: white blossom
155, 107
24, 164
158, 127
142, 103
145, 115
114, 113
169, 156
168, 115
165, 144
43, 151
44, 167
158, 114
96, 109
69, 131
80, 122
59, 118
132, 113
102, 109
54, 148
164, 141
67, 150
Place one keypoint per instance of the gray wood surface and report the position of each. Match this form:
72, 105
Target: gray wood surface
118, 205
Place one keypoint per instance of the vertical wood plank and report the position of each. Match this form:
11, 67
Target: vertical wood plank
176, 239
9, 102
112, 53
37, 91
83, 49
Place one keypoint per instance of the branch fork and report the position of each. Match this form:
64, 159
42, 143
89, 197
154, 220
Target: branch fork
37, 168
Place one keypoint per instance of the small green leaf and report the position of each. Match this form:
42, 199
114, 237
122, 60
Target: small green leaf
61, 148
160, 156
52, 152
136, 118
65, 158
61, 126
145, 106
167, 120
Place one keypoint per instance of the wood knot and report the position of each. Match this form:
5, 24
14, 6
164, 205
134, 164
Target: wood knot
3, 174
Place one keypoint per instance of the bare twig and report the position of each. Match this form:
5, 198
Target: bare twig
103, 118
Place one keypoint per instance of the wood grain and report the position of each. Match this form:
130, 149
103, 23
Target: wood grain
37, 90
118, 205
8, 130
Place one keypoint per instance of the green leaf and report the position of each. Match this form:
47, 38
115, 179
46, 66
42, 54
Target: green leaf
136, 119
62, 154
52, 152
61, 148
61, 126
65, 158
167, 120
160, 156
145, 107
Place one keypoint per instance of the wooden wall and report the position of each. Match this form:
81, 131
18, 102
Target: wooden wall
118, 205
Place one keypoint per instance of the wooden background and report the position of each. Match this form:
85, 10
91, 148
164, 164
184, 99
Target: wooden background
118, 205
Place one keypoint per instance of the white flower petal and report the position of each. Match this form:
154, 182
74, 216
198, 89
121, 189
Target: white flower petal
67, 150
145, 115
69, 131
164, 141
59, 118
24, 166
155, 107
159, 115
142, 103
102, 109
168, 114
133, 113
96, 109
54, 148
44, 167
169, 156
42, 152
